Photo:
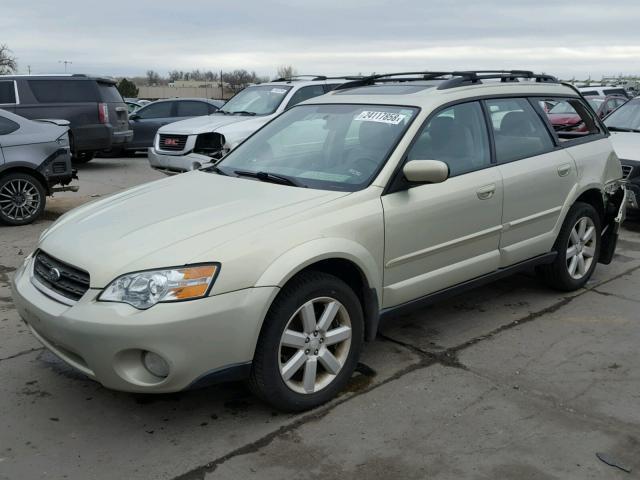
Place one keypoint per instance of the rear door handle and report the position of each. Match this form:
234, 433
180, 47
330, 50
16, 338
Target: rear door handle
564, 169
486, 192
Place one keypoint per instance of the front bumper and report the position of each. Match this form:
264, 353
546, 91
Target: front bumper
105, 340
173, 164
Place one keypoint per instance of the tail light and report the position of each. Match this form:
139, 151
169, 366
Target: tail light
103, 112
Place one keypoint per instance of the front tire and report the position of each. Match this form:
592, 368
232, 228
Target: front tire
309, 344
578, 247
22, 199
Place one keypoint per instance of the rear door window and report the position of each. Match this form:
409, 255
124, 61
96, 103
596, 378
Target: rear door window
109, 93
518, 130
7, 92
63, 91
192, 109
571, 119
156, 110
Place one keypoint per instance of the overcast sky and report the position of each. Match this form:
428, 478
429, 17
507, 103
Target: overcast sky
118, 37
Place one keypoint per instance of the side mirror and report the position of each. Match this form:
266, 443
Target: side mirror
426, 171
134, 116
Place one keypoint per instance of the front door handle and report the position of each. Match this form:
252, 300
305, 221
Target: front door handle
564, 169
486, 192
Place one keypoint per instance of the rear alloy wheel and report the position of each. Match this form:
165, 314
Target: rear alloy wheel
309, 344
577, 247
22, 199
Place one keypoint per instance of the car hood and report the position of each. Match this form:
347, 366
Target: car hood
626, 145
207, 123
174, 221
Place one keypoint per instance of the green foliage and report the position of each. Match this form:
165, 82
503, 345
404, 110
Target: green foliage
127, 88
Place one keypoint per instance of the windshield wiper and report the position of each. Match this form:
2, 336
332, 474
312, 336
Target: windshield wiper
270, 177
244, 112
214, 168
620, 129
223, 112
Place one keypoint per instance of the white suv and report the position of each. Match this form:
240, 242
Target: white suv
276, 263
189, 144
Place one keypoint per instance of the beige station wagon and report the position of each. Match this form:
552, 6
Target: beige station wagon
277, 262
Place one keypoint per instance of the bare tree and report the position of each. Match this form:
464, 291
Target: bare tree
8, 63
153, 77
286, 71
238, 79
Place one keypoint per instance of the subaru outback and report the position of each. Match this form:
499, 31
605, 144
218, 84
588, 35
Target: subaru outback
277, 262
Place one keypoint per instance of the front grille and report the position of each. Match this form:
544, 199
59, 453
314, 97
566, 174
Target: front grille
172, 142
68, 281
59, 167
626, 171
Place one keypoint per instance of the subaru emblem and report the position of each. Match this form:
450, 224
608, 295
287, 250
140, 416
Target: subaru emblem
54, 274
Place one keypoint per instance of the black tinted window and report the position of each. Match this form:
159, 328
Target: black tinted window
305, 93
7, 91
156, 110
587, 93
192, 109
109, 93
7, 126
457, 136
63, 91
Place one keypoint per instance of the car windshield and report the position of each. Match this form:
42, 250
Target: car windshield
256, 100
330, 147
626, 117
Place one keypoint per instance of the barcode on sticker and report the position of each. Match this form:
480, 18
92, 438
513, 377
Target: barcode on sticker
278, 90
381, 117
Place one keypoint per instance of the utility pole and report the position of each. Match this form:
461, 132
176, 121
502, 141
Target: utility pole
29, 69
66, 62
221, 87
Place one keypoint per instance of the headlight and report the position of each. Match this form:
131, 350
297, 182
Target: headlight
63, 140
144, 289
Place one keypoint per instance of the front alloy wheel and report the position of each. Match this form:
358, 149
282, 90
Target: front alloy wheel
314, 345
309, 344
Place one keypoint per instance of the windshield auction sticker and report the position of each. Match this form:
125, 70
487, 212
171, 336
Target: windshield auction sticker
278, 90
381, 117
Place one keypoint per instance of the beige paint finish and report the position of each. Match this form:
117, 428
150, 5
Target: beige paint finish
407, 244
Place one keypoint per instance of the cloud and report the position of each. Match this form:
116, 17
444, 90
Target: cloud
332, 36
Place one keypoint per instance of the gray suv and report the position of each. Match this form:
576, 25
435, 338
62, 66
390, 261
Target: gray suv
93, 106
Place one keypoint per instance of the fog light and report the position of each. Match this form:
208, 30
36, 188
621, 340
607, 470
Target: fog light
157, 365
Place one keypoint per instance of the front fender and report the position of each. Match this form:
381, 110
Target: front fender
281, 270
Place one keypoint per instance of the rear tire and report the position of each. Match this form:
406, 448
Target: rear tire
309, 344
22, 198
578, 247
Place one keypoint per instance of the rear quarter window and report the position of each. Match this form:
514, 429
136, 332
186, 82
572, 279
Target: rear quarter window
109, 93
571, 119
63, 91
7, 92
7, 126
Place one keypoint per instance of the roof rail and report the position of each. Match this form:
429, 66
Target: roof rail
451, 79
317, 77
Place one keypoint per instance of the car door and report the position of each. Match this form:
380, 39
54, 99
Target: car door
537, 178
439, 235
146, 122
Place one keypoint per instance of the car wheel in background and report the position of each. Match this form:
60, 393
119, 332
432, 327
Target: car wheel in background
82, 157
22, 198
578, 247
309, 344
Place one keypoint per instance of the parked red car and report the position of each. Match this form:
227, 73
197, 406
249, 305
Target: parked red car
564, 117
